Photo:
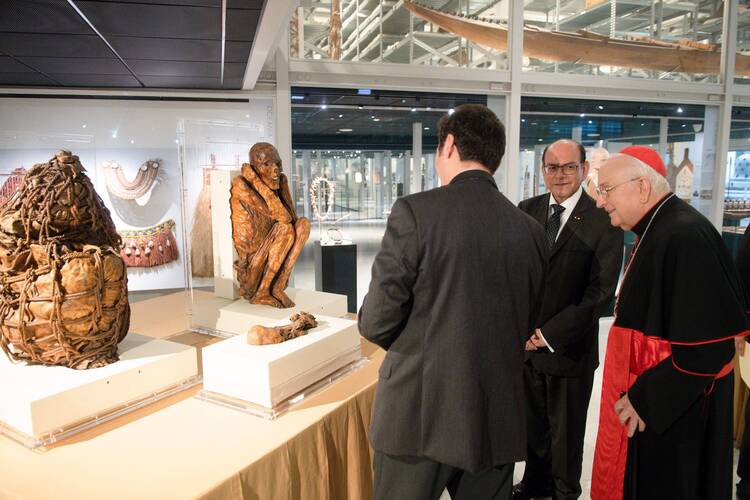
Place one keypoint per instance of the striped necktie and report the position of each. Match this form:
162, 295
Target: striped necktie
553, 224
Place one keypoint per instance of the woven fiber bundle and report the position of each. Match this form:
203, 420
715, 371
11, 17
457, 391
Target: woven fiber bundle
63, 285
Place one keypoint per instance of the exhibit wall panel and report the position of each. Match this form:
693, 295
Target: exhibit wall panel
130, 133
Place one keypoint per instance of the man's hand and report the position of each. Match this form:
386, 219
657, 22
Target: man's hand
535, 341
739, 345
628, 416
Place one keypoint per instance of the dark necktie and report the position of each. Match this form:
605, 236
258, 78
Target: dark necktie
553, 224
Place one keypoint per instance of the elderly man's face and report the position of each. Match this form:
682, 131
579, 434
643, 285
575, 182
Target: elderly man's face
563, 170
620, 192
267, 163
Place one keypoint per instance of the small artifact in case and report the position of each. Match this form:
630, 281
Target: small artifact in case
300, 323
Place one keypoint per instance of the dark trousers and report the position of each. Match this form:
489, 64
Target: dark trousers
416, 478
556, 423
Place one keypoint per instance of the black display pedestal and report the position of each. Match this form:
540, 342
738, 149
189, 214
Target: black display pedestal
336, 271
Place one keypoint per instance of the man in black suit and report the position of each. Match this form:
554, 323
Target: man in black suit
585, 255
455, 290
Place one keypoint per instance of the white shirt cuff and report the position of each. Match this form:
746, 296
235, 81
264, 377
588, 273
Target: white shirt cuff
545, 341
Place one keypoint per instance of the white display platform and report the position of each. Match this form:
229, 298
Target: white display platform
269, 375
40, 405
225, 318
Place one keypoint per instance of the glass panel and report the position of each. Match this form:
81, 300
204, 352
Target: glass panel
653, 39
737, 188
742, 61
684, 134
363, 143
432, 33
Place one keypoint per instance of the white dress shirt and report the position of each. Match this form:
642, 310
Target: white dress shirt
569, 205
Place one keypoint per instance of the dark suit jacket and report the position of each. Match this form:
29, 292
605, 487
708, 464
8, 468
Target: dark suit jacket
584, 265
455, 289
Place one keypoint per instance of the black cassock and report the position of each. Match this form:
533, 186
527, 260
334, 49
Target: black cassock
670, 349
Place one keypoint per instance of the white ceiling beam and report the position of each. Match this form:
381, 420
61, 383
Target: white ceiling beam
275, 14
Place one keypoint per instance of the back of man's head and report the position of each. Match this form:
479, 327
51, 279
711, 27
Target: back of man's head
477, 133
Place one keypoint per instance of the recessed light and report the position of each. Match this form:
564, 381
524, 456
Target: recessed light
345, 130
341, 116
427, 128
132, 141
582, 115
600, 107
523, 120
590, 122
324, 106
450, 111
83, 126
413, 110
376, 119
679, 110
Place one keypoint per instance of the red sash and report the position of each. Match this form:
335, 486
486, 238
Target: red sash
629, 354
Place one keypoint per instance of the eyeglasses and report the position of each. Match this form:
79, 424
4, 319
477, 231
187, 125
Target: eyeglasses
567, 169
604, 191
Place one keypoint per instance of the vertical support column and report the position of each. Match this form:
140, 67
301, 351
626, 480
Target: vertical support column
406, 178
663, 137
430, 172
513, 108
377, 167
416, 147
388, 179
496, 104
577, 134
728, 53
306, 178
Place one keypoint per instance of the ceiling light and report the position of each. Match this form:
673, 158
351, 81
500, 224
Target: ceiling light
684, 125
360, 107
523, 120
540, 139
341, 116
324, 106
679, 110
590, 122
132, 141
114, 134
83, 126
413, 110
582, 115
376, 119
427, 128
600, 107
345, 130
297, 97
450, 111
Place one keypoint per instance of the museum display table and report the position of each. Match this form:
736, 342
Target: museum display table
182, 447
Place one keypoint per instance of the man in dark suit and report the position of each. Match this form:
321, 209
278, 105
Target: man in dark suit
585, 255
455, 290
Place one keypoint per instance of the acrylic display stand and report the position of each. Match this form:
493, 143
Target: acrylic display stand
40, 405
267, 380
225, 318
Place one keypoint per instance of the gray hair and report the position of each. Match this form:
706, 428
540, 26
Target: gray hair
658, 183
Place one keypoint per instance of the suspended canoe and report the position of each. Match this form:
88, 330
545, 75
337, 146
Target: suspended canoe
585, 47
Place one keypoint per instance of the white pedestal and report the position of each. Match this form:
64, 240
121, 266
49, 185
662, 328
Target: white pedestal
42, 404
269, 374
218, 316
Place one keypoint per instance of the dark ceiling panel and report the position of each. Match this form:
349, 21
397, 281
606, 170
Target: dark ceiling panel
158, 21
245, 4
79, 66
96, 80
181, 68
170, 43
241, 24
238, 51
10, 65
194, 82
31, 44
41, 16
25, 79
166, 49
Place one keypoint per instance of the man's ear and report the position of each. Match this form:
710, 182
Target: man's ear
449, 146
